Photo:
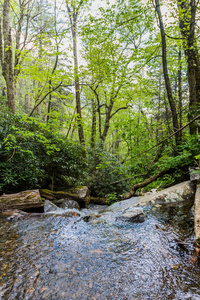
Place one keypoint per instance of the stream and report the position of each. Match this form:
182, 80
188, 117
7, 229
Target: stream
56, 257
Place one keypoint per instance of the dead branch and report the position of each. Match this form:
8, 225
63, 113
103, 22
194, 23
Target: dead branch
144, 183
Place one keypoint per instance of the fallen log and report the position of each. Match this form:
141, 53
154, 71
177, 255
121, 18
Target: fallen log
144, 183
23, 200
79, 194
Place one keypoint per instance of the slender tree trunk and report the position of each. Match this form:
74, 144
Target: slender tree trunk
7, 67
180, 98
166, 75
107, 120
55, 64
98, 110
77, 85
27, 103
187, 17
94, 124
159, 102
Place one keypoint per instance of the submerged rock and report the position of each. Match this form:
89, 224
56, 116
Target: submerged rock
90, 217
71, 214
70, 204
135, 215
51, 207
17, 214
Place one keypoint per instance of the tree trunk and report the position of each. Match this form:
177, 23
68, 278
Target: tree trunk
107, 121
187, 16
7, 67
180, 91
94, 124
79, 194
166, 75
22, 200
27, 103
77, 84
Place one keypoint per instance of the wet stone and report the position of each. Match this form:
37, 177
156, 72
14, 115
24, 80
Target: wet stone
133, 215
50, 207
70, 204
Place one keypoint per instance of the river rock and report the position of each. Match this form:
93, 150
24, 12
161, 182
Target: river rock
194, 174
50, 207
17, 214
135, 215
69, 204
178, 193
90, 217
71, 214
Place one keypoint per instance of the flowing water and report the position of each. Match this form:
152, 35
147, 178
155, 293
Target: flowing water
54, 257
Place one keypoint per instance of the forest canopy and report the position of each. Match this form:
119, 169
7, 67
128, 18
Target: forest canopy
99, 93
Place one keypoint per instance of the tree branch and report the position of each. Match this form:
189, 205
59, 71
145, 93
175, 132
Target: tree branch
124, 107
164, 140
49, 92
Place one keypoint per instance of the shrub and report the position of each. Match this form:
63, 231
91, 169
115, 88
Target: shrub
103, 170
32, 155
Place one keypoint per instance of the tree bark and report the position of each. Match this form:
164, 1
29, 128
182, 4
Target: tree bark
107, 120
180, 90
73, 13
81, 195
166, 75
187, 18
144, 183
22, 200
94, 124
7, 67
27, 103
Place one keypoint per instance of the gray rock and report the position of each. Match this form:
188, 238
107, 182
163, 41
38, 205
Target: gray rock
178, 193
50, 207
70, 204
194, 174
135, 215
122, 205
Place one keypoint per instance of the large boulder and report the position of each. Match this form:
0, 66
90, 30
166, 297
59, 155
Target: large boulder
178, 193
79, 194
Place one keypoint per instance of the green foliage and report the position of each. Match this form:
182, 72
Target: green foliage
34, 155
111, 198
104, 171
